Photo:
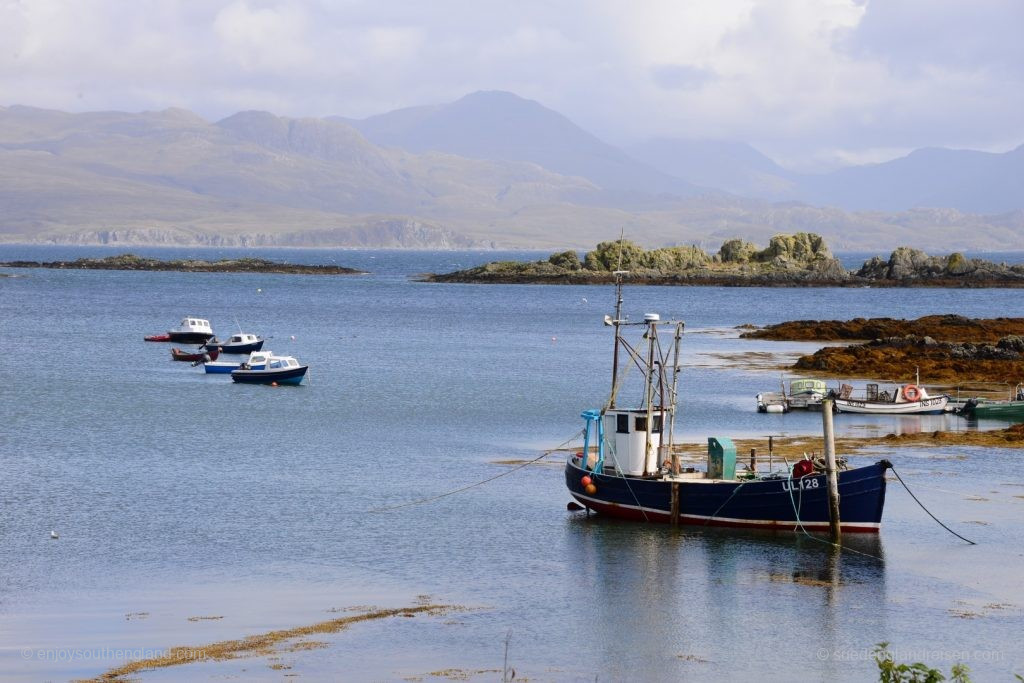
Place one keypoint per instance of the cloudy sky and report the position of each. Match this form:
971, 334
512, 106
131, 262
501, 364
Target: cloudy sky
808, 82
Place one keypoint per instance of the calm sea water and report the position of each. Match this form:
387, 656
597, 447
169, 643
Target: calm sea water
178, 494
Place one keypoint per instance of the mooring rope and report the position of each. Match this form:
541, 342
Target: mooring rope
927, 510
720, 507
808, 534
540, 457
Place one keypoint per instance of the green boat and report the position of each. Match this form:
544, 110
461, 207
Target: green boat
1009, 411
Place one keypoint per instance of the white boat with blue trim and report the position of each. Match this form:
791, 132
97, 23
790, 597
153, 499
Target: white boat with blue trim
257, 361
277, 370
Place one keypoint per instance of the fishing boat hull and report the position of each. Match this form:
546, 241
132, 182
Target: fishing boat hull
1010, 411
235, 348
927, 406
781, 504
188, 337
226, 367
291, 375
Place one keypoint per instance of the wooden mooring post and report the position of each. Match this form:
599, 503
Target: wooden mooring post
831, 474
674, 514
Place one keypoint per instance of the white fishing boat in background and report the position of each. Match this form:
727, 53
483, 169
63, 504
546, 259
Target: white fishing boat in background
804, 394
908, 399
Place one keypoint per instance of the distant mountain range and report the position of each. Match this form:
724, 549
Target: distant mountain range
489, 170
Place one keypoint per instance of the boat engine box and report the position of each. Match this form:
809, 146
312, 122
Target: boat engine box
721, 458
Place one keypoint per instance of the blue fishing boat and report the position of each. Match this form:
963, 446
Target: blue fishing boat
257, 361
243, 342
633, 471
278, 370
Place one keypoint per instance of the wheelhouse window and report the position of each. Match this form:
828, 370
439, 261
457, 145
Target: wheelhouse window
641, 424
622, 424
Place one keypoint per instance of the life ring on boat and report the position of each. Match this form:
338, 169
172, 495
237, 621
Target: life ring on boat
911, 392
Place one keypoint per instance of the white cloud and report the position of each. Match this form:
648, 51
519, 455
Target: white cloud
268, 39
801, 79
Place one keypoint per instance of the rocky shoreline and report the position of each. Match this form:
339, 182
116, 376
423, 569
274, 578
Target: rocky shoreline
942, 348
942, 327
799, 260
903, 357
133, 262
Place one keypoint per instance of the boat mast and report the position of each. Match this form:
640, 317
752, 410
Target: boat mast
652, 335
616, 322
672, 398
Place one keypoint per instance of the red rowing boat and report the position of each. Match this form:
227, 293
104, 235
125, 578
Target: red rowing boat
198, 356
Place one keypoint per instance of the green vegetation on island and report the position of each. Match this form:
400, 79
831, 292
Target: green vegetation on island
801, 259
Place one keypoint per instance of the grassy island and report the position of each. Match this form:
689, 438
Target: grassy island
799, 260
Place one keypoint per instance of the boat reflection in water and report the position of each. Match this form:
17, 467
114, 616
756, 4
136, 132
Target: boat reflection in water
688, 604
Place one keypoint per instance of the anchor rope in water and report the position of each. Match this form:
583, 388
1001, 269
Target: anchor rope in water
927, 510
799, 522
520, 466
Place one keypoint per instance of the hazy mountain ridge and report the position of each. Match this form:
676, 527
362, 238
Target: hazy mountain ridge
502, 126
253, 178
965, 180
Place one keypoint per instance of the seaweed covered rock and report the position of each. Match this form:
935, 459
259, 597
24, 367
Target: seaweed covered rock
894, 357
135, 262
944, 327
906, 265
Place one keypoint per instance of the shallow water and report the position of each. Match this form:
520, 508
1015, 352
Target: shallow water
177, 494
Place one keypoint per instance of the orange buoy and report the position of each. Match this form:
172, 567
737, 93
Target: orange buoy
590, 489
911, 392
585, 480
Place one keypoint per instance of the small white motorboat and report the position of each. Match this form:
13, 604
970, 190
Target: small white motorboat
803, 394
278, 370
191, 330
243, 342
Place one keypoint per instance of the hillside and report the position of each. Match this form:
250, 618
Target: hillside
501, 126
253, 178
